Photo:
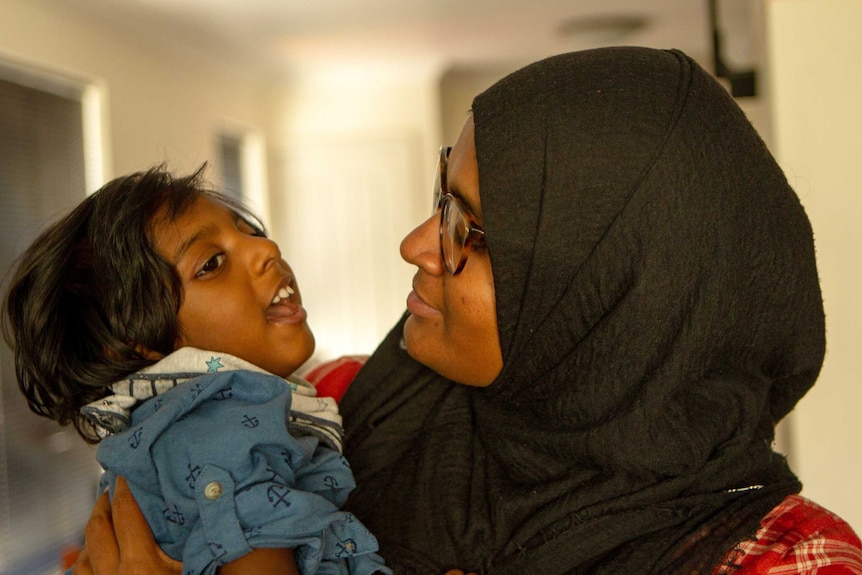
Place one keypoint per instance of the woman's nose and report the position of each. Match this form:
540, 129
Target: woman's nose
421, 247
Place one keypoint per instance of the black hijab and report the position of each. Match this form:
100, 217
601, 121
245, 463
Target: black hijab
659, 312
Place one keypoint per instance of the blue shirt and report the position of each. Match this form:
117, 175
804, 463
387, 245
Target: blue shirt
216, 471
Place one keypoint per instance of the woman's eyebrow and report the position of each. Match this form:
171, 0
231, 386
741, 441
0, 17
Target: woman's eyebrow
467, 203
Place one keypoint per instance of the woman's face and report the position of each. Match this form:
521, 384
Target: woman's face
452, 326
239, 296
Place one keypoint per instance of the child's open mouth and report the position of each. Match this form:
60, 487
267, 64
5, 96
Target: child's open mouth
282, 310
283, 294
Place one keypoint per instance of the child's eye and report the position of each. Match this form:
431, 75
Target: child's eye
210, 265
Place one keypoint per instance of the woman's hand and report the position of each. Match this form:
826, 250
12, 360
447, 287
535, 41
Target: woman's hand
118, 540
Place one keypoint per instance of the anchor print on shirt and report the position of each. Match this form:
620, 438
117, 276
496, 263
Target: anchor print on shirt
273, 474
174, 515
346, 548
291, 458
193, 474
217, 551
277, 495
135, 438
197, 389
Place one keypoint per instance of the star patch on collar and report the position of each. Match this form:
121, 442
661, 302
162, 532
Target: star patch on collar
214, 364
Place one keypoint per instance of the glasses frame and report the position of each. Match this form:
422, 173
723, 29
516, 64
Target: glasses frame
451, 206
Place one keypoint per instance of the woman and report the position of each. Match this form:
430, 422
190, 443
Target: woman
633, 309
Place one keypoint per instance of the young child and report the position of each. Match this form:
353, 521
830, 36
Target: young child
159, 319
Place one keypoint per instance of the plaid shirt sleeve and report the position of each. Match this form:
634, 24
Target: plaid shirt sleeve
797, 537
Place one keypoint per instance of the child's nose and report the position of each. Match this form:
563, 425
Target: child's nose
264, 253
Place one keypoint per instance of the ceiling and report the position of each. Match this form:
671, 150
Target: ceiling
275, 35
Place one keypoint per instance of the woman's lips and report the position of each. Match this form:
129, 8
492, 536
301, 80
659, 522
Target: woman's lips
418, 307
286, 312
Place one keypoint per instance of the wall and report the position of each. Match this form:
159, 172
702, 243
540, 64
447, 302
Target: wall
353, 156
458, 87
161, 104
814, 49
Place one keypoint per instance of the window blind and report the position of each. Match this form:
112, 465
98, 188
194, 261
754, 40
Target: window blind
48, 475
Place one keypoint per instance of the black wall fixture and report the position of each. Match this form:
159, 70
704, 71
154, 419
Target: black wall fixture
743, 83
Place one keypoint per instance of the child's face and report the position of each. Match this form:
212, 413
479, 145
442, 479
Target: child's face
231, 276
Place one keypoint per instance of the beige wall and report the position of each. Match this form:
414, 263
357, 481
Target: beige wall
815, 49
353, 156
160, 104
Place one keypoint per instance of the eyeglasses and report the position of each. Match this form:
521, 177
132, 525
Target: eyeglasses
459, 231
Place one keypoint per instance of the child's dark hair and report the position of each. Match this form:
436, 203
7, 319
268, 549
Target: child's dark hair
91, 295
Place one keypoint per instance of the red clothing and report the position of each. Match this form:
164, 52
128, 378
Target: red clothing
333, 377
797, 537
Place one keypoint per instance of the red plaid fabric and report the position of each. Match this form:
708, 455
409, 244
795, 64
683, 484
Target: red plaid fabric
797, 537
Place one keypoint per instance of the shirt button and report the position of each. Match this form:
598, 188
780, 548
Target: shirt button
213, 490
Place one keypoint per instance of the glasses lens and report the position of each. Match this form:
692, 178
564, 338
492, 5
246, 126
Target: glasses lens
455, 229
438, 193
440, 179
